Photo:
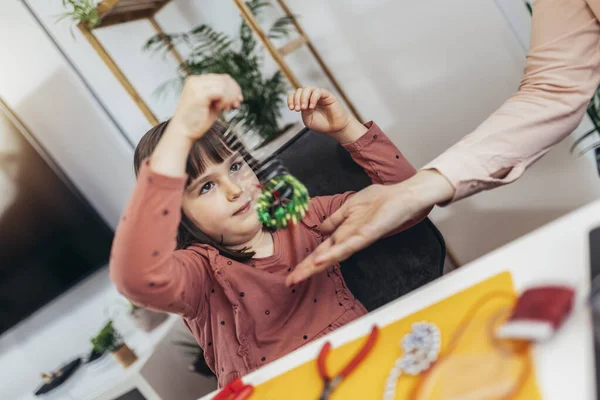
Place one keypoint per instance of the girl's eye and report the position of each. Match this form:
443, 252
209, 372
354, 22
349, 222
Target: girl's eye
207, 186
236, 166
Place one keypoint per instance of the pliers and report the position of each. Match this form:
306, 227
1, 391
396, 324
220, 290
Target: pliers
330, 384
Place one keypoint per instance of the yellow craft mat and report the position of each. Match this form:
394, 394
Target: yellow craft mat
368, 380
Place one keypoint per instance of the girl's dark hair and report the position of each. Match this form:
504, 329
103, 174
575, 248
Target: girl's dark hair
211, 145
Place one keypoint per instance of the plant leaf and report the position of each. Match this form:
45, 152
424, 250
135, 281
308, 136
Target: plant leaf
282, 27
256, 5
212, 51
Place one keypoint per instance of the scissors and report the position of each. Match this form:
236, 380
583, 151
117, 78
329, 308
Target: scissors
330, 384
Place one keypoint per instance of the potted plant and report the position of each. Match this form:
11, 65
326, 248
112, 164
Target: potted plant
242, 58
146, 320
108, 339
593, 111
85, 11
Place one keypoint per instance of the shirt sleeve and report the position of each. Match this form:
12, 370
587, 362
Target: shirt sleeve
562, 72
383, 163
144, 265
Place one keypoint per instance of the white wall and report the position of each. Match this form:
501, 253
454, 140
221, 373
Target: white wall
428, 72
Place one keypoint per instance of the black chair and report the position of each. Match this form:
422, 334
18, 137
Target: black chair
392, 266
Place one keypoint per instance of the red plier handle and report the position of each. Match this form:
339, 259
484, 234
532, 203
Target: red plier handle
332, 382
235, 390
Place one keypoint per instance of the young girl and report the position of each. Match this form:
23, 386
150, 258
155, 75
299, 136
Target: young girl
190, 242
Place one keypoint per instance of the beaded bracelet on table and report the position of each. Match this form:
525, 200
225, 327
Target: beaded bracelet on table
421, 349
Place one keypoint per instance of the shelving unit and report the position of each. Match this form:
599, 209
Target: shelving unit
115, 12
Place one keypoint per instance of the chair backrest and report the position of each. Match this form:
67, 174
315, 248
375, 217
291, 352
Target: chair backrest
392, 266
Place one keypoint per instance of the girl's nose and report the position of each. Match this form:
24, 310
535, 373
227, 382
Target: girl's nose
233, 190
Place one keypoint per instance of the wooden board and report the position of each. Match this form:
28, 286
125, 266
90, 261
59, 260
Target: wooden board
368, 380
113, 12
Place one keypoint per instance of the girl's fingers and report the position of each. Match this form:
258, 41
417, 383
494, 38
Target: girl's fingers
235, 86
237, 92
234, 92
305, 98
218, 105
297, 99
314, 98
306, 92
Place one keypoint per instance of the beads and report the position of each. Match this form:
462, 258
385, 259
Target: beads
421, 348
283, 201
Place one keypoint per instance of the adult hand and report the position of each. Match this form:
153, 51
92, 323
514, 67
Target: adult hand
371, 214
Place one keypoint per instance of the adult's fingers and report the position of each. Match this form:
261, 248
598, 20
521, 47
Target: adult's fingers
334, 220
340, 251
307, 267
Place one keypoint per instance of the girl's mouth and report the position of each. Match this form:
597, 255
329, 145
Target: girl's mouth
243, 209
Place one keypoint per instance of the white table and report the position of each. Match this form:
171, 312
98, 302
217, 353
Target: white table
557, 252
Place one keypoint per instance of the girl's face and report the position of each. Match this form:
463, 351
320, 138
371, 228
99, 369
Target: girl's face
220, 202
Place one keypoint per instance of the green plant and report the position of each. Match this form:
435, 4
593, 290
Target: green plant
593, 111
108, 339
85, 11
216, 52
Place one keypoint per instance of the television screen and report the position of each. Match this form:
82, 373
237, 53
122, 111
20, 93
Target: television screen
50, 236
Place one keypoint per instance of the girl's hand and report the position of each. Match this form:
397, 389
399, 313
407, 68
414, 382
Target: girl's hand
322, 112
201, 101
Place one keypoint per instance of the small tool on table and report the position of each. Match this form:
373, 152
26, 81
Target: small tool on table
330, 384
235, 390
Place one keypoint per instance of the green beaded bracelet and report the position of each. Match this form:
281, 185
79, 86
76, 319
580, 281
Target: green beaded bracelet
283, 201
